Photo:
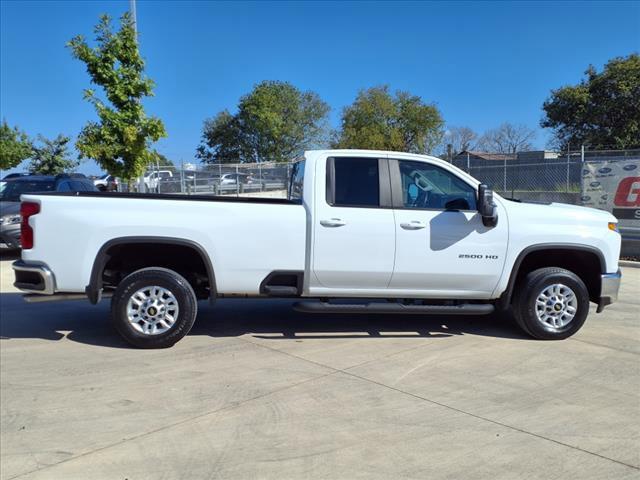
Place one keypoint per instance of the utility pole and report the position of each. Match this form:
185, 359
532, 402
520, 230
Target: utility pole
132, 8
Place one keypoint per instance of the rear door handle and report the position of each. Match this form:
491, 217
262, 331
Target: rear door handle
413, 225
332, 223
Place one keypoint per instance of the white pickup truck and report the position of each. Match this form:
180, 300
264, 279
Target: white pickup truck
396, 233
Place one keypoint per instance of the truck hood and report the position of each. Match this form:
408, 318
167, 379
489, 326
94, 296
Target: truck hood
563, 212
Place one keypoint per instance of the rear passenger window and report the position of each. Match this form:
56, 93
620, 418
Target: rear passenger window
64, 187
77, 186
356, 182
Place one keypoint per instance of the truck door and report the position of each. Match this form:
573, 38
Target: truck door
442, 247
354, 231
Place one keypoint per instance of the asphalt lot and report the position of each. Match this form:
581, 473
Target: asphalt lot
259, 391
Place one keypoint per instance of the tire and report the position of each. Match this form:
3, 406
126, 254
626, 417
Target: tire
153, 291
563, 306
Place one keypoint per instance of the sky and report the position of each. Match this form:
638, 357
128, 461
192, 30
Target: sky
481, 63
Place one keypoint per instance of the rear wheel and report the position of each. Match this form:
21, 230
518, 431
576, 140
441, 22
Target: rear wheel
551, 303
153, 308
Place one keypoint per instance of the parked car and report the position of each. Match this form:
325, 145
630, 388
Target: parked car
106, 183
14, 175
236, 178
13, 188
153, 179
399, 233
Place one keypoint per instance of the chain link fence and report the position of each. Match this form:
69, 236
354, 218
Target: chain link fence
530, 177
255, 179
608, 180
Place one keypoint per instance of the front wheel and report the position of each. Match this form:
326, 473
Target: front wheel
551, 303
153, 308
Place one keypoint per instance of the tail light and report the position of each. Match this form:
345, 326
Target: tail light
27, 209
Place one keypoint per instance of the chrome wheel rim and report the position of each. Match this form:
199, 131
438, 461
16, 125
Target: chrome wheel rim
152, 310
556, 306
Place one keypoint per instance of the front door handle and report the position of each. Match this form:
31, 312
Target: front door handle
332, 223
413, 225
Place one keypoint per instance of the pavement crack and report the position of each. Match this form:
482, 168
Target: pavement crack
449, 407
231, 406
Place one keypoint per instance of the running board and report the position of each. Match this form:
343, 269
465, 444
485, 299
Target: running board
58, 297
463, 309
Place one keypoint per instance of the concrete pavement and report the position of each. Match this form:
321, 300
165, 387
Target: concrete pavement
259, 391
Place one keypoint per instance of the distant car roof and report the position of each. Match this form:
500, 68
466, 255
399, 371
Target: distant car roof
48, 178
14, 175
34, 178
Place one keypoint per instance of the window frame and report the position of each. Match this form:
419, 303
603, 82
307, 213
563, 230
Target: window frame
301, 164
384, 183
397, 193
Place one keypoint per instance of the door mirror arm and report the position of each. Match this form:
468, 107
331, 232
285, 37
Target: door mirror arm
487, 209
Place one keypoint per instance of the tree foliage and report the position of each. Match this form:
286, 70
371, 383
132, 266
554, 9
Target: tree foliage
602, 111
507, 138
274, 122
382, 121
51, 157
15, 146
120, 142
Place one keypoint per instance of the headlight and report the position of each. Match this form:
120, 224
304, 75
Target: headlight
613, 226
9, 219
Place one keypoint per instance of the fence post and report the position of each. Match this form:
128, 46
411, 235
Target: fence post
237, 182
181, 175
568, 166
581, 173
504, 176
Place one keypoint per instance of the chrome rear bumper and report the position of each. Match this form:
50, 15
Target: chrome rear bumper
34, 278
609, 287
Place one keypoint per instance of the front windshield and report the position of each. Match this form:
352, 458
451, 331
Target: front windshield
12, 190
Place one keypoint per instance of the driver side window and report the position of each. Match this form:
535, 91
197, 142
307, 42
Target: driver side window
426, 186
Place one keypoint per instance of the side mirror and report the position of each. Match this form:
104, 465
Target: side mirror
486, 207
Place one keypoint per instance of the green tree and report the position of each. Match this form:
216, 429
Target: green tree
274, 122
382, 121
15, 146
51, 157
120, 142
602, 111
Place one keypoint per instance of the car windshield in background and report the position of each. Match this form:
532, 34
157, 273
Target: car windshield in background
13, 190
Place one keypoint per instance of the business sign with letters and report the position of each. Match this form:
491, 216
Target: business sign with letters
613, 186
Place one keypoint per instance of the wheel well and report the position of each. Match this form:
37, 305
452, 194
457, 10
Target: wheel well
121, 259
584, 263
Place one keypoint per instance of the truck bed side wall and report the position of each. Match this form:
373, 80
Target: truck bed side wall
245, 241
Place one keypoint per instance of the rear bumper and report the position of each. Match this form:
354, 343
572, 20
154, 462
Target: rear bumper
609, 287
34, 278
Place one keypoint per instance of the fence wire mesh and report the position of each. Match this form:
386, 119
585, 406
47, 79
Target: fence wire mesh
559, 179
529, 176
256, 179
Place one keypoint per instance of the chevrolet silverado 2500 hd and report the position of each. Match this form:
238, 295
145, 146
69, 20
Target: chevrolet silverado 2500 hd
395, 232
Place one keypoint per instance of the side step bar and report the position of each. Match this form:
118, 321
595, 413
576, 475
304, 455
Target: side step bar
58, 297
463, 309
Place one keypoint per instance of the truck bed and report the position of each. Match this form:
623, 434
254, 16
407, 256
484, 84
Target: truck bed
245, 238
175, 196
